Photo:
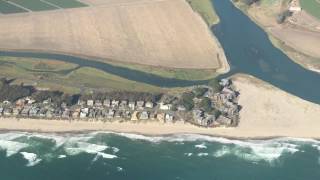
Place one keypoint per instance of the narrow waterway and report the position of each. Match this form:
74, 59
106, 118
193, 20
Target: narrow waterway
123, 72
249, 50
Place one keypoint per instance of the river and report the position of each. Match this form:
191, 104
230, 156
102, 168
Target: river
248, 50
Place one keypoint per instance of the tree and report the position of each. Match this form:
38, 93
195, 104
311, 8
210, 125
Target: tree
187, 100
199, 92
214, 84
206, 104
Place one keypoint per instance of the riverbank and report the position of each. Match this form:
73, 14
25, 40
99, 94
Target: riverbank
294, 37
267, 112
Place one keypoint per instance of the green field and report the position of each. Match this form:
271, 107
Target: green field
68, 77
206, 10
16, 6
312, 7
33, 5
7, 8
67, 3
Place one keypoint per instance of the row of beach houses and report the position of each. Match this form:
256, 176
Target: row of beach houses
123, 110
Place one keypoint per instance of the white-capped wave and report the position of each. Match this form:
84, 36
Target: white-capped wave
119, 169
31, 158
202, 154
61, 156
11, 147
106, 156
201, 146
188, 154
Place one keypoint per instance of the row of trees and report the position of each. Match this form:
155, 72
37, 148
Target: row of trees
10, 92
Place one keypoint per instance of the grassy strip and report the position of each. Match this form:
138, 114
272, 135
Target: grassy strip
312, 7
66, 77
206, 10
174, 73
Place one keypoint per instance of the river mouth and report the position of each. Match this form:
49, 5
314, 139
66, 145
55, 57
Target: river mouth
247, 48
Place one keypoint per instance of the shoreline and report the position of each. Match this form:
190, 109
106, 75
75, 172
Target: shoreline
268, 116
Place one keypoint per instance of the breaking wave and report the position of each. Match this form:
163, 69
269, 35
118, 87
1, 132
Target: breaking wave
31, 158
73, 144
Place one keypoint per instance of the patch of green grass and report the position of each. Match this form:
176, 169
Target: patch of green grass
67, 3
48, 74
7, 8
34, 5
312, 7
206, 10
183, 74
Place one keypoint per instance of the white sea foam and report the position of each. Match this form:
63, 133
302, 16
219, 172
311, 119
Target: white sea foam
12, 147
31, 158
201, 146
106, 156
188, 154
61, 156
119, 169
115, 150
202, 154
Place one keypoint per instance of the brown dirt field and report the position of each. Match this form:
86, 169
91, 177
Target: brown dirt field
305, 41
163, 33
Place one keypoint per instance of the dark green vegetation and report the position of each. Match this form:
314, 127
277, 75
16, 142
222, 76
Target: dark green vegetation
11, 93
312, 7
67, 3
205, 9
18, 6
33, 5
283, 16
7, 8
67, 77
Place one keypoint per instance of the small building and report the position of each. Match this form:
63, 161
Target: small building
30, 100
16, 111
134, 116
295, 9
66, 114
225, 82
110, 114
43, 112
107, 102
132, 105
75, 114
1, 111
25, 111
160, 117
224, 120
140, 104
7, 112
81, 102
169, 118
49, 114
144, 115
181, 108
123, 104
97, 103
90, 102
149, 104
20, 102
115, 103
165, 107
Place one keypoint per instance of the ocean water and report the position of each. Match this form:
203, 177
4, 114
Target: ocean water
103, 155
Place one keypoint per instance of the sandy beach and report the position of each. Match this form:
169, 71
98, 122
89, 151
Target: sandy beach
267, 112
